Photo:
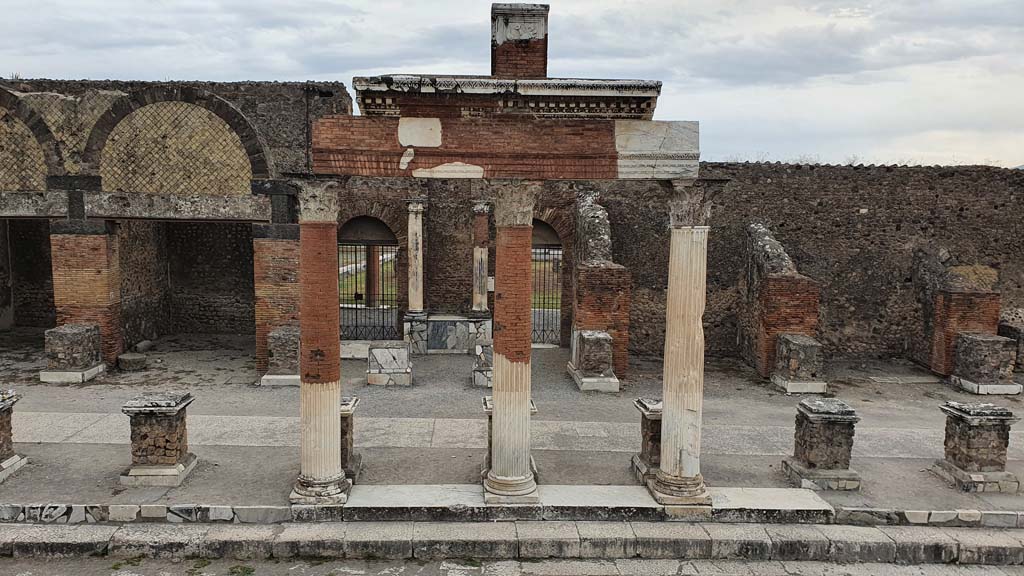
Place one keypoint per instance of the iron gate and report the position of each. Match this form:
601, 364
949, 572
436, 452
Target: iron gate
368, 292
547, 294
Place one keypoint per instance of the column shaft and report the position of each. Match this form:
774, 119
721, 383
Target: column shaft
415, 233
480, 242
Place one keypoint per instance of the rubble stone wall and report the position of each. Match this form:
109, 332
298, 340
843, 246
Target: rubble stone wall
145, 285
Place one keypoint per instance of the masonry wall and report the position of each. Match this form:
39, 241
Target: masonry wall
31, 273
145, 285
211, 277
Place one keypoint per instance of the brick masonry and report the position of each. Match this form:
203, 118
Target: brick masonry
513, 293
276, 279
159, 439
823, 445
318, 276
956, 313
602, 303
974, 448
520, 59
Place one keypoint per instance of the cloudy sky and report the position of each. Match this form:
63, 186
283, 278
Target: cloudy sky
892, 81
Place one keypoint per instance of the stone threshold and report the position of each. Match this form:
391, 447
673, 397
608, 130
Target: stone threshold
522, 540
449, 503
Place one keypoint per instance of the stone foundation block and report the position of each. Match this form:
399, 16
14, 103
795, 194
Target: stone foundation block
73, 354
921, 545
132, 361
388, 363
414, 327
977, 436
671, 540
548, 539
590, 363
437, 541
10, 462
1011, 325
646, 463
798, 365
159, 437
822, 445
282, 357
983, 364
483, 365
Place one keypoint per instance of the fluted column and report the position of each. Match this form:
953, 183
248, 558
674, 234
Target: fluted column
510, 478
321, 477
481, 238
679, 480
415, 322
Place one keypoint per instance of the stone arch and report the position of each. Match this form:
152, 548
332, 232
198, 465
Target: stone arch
560, 219
255, 149
44, 138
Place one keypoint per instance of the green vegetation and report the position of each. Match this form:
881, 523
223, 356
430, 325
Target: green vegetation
353, 282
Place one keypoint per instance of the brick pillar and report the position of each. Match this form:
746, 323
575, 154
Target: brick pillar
87, 279
372, 276
510, 478
602, 300
519, 40
957, 312
678, 481
481, 239
275, 251
321, 476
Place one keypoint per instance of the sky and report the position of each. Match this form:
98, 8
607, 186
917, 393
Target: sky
829, 81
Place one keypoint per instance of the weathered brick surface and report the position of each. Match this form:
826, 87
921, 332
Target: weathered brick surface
320, 358
276, 279
976, 448
158, 439
520, 59
824, 445
513, 293
957, 312
602, 302
87, 286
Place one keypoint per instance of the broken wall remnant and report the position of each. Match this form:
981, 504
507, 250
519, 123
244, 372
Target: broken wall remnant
773, 299
951, 298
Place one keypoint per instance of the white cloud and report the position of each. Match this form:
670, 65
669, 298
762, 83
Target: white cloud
934, 81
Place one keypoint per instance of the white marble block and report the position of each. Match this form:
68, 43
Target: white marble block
388, 363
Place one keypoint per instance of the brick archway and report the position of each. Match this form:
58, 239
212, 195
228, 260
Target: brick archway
395, 217
561, 221
37, 126
254, 146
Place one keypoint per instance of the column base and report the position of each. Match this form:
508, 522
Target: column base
976, 481
511, 491
324, 493
818, 479
170, 476
673, 491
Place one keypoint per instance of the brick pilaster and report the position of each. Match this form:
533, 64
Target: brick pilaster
602, 302
276, 283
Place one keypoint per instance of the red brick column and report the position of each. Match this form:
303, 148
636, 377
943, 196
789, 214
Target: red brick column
87, 283
602, 302
510, 478
321, 476
276, 272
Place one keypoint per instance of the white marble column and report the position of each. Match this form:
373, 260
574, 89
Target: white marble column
480, 246
510, 478
679, 481
415, 232
321, 476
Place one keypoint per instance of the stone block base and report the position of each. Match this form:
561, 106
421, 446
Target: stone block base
280, 380
984, 389
976, 481
483, 378
390, 379
703, 499
818, 479
799, 386
131, 362
11, 465
593, 383
532, 499
154, 475
71, 376
355, 349
642, 469
298, 499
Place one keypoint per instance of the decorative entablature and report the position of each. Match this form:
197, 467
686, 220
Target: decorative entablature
478, 96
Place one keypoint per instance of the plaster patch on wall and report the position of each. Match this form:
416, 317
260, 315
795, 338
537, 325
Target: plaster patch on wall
450, 170
649, 149
424, 132
407, 157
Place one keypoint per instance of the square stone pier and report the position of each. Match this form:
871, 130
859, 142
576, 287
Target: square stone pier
822, 445
9, 460
282, 357
983, 364
646, 463
977, 436
73, 354
590, 363
388, 363
160, 455
798, 365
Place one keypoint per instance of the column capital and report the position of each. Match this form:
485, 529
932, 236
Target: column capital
318, 200
416, 204
514, 201
689, 204
481, 207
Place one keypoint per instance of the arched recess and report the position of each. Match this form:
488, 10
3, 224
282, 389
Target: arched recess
255, 149
373, 298
52, 158
559, 221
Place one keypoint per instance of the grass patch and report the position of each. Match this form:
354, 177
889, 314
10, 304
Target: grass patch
241, 570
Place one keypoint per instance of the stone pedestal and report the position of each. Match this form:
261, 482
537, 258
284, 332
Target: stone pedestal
73, 354
983, 364
488, 403
351, 461
977, 436
822, 445
10, 462
483, 365
415, 328
646, 463
590, 361
388, 363
282, 357
798, 365
159, 434
1011, 325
